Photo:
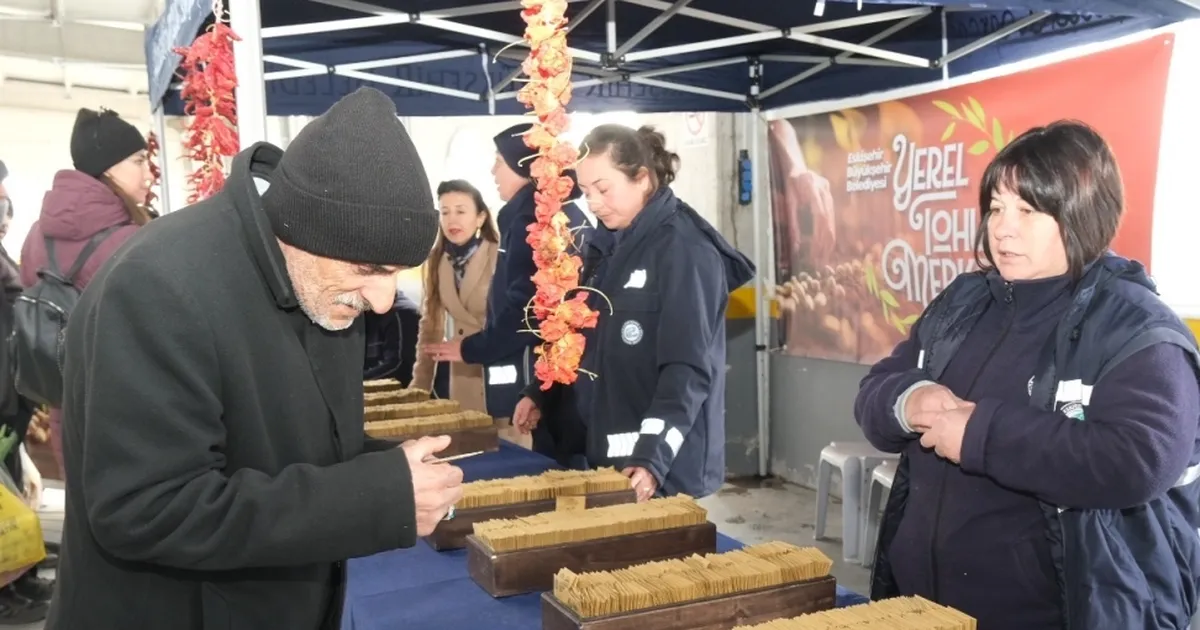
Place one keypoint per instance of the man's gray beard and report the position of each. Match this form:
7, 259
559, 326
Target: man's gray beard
321, 321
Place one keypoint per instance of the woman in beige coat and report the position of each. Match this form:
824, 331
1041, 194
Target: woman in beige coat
458, 273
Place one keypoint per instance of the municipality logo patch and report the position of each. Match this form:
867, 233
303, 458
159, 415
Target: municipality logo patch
1073, 410
631, 332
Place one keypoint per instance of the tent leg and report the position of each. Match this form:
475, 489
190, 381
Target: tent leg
611, 26
164, 162
945, 46
245, 19
762, 364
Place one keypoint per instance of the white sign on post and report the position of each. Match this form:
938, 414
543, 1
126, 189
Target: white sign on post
697, 129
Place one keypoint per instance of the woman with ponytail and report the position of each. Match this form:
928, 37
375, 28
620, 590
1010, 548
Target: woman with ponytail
656, 409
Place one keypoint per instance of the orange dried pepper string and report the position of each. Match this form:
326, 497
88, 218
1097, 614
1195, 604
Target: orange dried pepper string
561, 309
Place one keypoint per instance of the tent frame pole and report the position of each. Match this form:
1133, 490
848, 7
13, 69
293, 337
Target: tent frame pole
762, 367
648, 30
987, 40
829, 63
646, 77
164, 165
317, 69
330, 26
245, 18
382, 16
583, 14
616, 53
849, 61
312, 68
763, 33
610, 26
764, 262
489, 34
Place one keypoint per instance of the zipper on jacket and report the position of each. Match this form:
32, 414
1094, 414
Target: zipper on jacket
525, 366
937, 514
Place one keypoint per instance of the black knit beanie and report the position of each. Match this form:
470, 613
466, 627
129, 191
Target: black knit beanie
101, 140
510, 144
351, 186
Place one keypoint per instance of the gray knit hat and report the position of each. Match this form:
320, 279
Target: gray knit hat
351, 186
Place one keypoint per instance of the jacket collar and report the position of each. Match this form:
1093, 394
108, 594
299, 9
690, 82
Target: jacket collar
478, 275
658, 210
521, 204
259, 161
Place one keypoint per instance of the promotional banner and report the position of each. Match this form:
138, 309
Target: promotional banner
876, 209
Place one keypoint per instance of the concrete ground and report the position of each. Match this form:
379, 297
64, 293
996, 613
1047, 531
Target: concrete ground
750, 511
753, 511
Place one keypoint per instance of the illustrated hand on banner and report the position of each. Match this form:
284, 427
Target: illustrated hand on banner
801, 200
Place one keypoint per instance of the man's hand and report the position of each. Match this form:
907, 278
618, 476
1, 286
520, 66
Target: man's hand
926, 399
526, 416
642, 482
945, 430
436, 487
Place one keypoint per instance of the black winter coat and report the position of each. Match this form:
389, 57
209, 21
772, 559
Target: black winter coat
217, 471
392, 341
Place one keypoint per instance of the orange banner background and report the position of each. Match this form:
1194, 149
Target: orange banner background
863, 240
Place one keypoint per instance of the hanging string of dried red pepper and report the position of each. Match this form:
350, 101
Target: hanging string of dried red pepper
152, 149
547, 92
209, 81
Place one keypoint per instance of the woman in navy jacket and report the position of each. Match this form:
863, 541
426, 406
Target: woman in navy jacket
505, 346
1046, 409
656, 409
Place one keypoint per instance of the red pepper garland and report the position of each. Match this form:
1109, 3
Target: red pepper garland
152, 148
547, 94
208, 88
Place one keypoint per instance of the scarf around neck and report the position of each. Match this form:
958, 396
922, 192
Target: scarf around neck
459, 256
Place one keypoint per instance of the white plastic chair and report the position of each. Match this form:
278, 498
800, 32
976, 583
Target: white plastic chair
854, 461
881, 480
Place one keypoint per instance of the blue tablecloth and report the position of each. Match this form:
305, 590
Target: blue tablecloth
413, 589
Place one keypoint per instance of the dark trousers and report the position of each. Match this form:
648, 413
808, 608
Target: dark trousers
562, 435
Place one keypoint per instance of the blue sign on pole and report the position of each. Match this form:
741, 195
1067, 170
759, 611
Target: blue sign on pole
176, 28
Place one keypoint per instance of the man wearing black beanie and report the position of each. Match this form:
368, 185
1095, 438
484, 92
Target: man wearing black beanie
217, 471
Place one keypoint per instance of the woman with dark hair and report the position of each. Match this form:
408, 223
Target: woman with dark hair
101, 200
504, 345
458, 274
1046, 412
656, 409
